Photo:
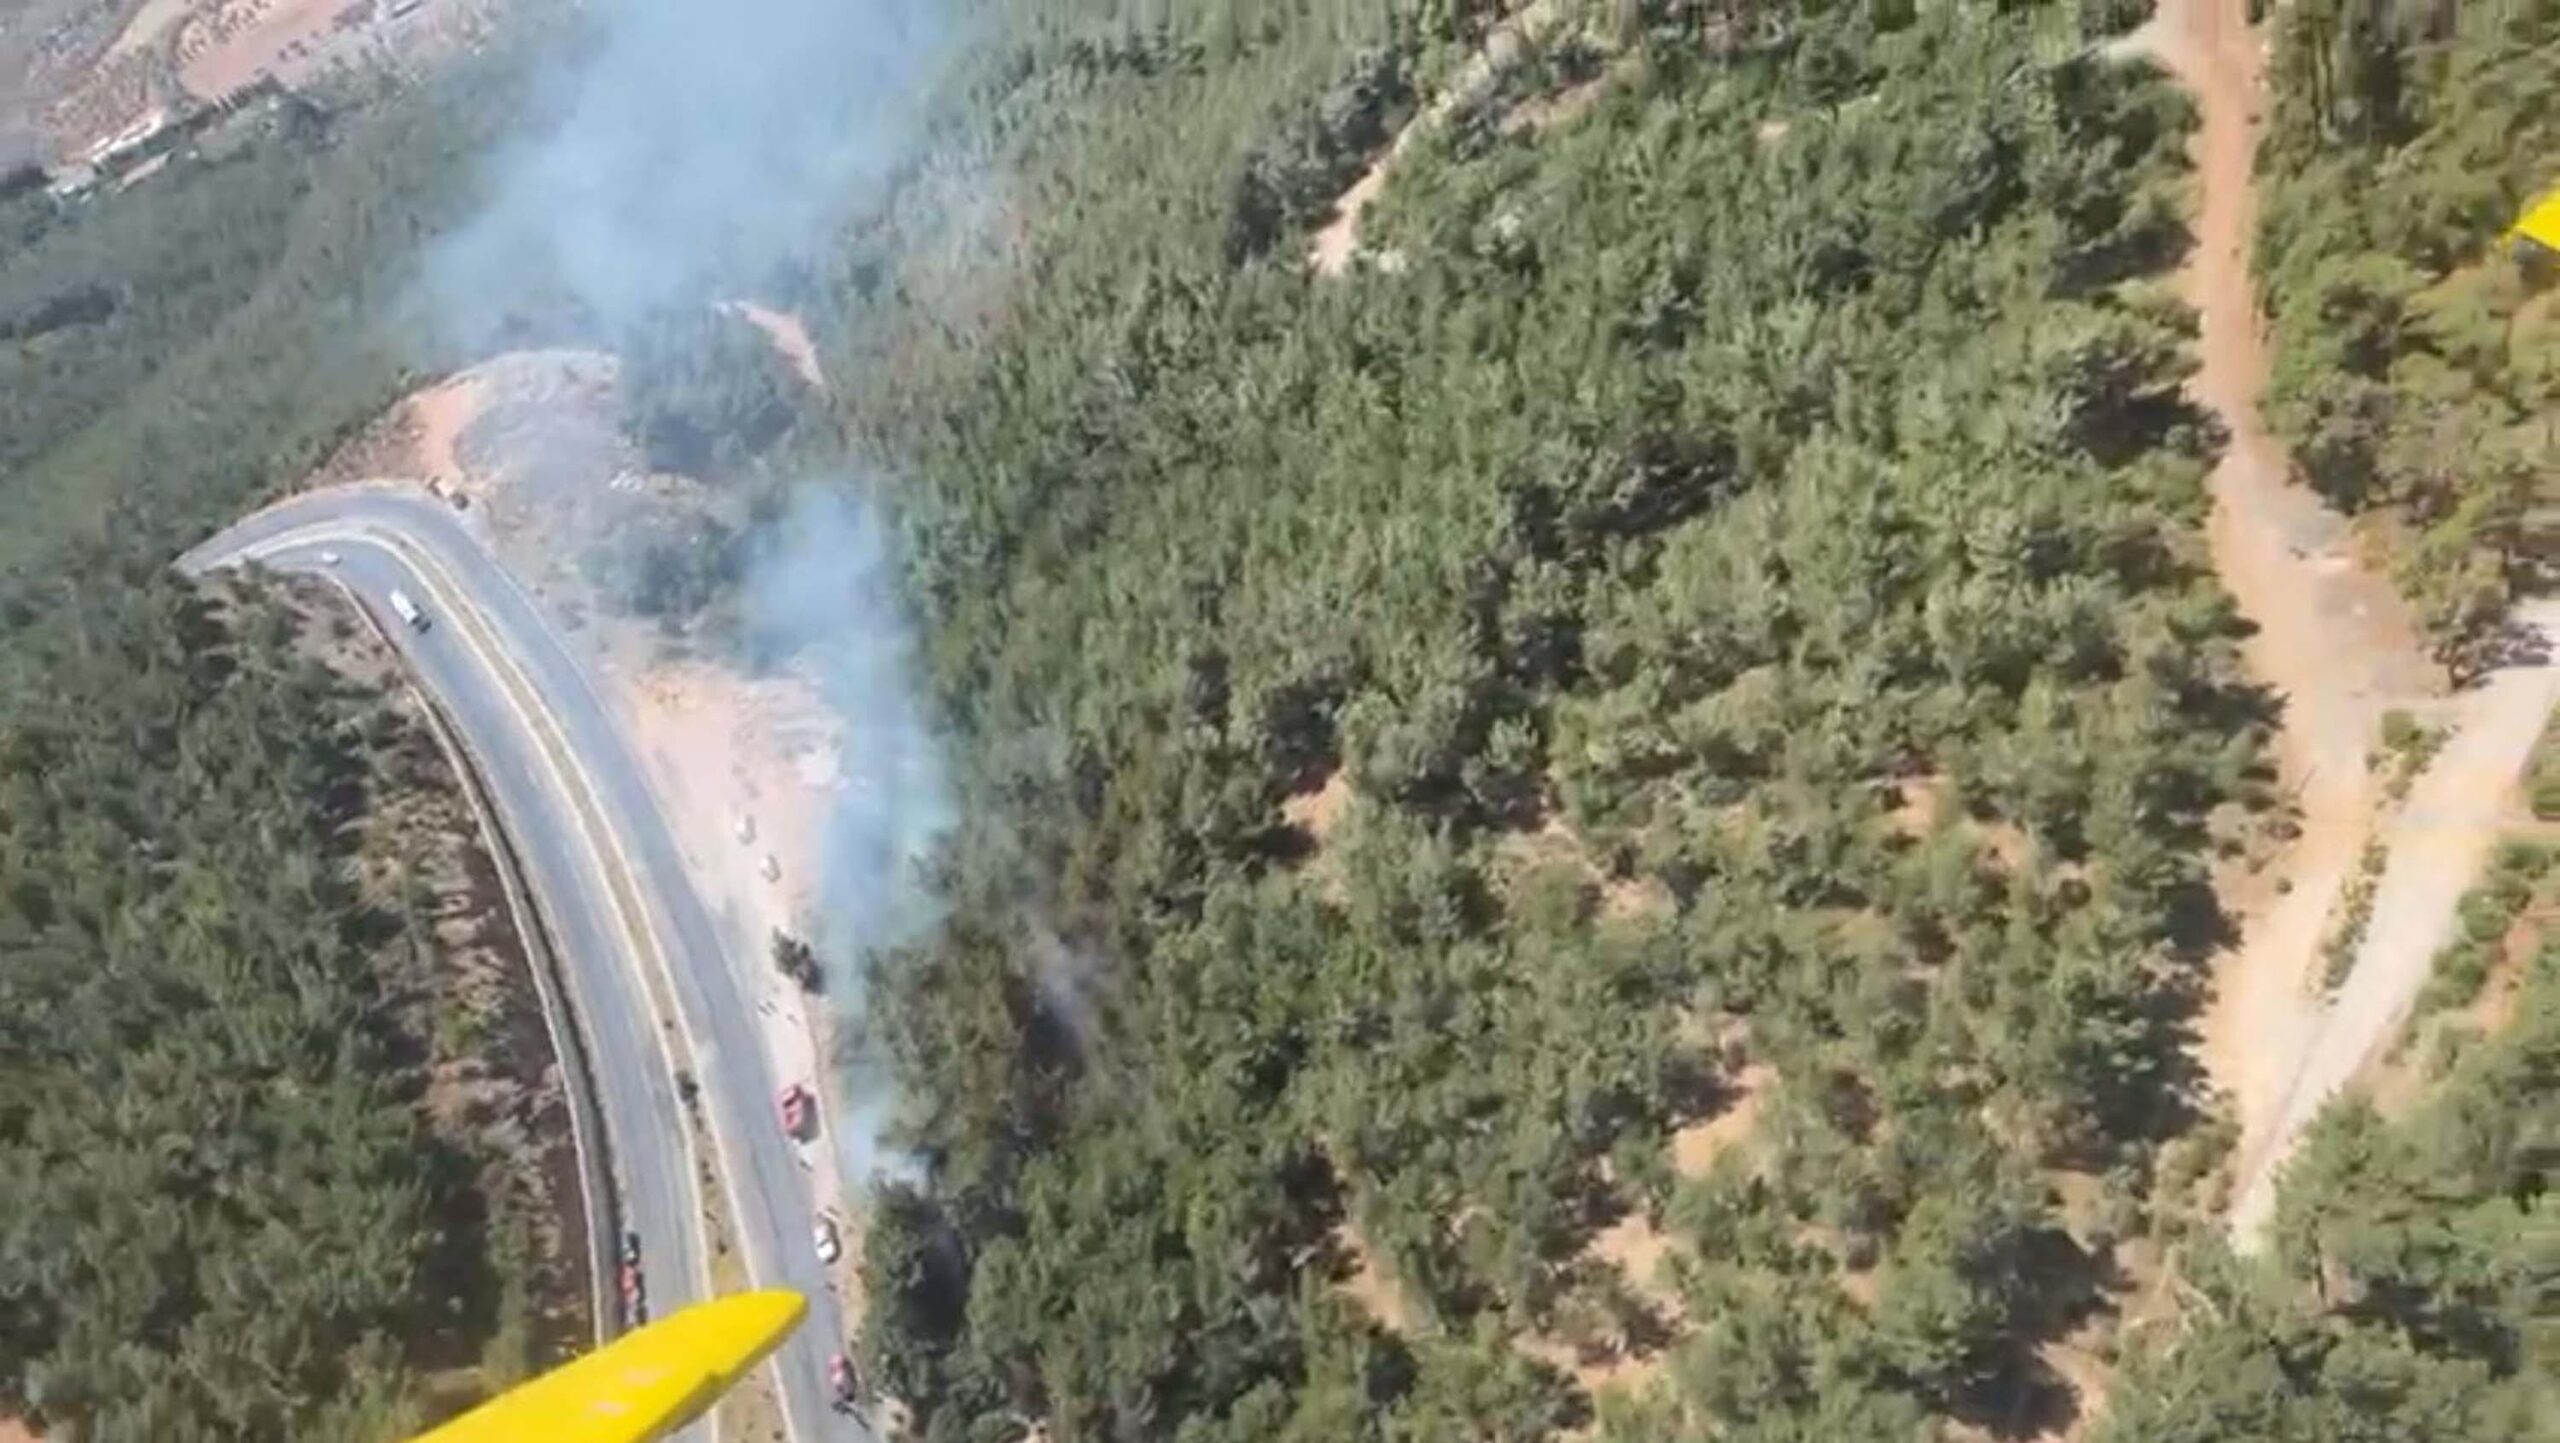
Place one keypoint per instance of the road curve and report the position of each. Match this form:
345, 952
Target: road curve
613, 888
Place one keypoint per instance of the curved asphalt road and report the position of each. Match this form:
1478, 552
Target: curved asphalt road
612, 888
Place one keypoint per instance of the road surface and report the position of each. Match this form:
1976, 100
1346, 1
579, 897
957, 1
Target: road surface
613, 890
2438, 845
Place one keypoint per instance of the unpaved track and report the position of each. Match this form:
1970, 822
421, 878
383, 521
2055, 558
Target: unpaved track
2278, 551
1330, 253
2439, 842
2340, 647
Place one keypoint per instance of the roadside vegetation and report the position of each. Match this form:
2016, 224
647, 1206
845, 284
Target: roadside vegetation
2407, 1291
272, 1137
2417, 357
263, 1172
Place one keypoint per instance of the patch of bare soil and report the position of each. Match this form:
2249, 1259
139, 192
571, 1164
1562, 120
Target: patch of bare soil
468, 433
789, 336
1315, 813
15, 1430
439, 416
230, 44
1695, 1148
1369, 1284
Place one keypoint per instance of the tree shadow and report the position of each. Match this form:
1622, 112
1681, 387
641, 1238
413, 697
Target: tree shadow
2019, 1394
2024, 1397
2154, 246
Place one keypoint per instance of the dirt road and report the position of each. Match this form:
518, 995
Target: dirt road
2331, 640
2438, 842
1330, 253
2336, 642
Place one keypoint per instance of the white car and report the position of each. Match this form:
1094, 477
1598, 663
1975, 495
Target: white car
328, 558
824, 1235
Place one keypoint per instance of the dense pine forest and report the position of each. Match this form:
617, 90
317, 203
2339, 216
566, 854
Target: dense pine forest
1719, 615
2416, 374
1598, 826
226, 1209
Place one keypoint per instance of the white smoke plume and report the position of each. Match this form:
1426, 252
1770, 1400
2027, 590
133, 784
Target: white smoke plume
822, 598
688, 151
690, 144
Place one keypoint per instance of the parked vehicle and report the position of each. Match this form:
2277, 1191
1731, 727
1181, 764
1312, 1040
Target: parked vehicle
799, 1112
824, 1235
631, 1250
635, 1296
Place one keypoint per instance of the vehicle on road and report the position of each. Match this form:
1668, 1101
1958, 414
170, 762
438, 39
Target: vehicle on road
328, 558
844, 1385
824, 1236
635, 1297
799, 1112
631, 1250
408, 610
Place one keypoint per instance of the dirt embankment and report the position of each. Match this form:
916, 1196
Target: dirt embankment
458, 983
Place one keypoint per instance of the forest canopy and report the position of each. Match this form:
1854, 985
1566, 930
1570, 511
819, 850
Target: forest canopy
1598, 825
225, 1209
2418, 355
1715, 620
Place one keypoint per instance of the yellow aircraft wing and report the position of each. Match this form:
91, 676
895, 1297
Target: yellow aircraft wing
641, 1386
2541, 225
